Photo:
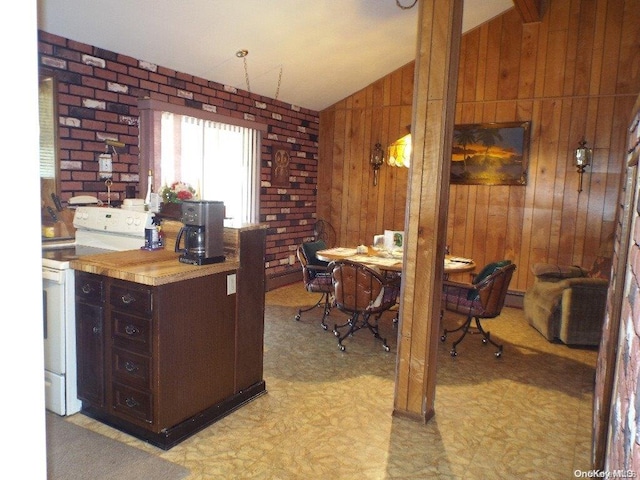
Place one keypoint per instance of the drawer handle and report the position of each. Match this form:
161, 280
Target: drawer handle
131, 330
128, 299
131, 402
86, 288
130, 367
97, 330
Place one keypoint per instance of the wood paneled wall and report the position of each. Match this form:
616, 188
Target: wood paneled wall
349, 130
574, 75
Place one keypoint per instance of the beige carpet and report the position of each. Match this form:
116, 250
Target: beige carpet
76, 453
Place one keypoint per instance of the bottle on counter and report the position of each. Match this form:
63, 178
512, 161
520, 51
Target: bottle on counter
152, 233
157, 221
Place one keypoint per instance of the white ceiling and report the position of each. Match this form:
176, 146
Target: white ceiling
326, 49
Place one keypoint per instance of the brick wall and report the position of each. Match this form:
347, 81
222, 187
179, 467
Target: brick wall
618, 440
98, 91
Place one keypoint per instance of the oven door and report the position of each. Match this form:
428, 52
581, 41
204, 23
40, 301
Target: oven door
59, 341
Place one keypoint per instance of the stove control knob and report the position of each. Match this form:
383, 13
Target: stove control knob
129, 220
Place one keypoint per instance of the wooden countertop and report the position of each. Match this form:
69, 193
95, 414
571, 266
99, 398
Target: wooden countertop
157, 267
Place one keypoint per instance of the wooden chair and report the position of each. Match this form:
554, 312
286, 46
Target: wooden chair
316, 277
482, 298
362, 293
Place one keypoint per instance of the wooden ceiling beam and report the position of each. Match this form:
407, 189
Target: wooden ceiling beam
530, 10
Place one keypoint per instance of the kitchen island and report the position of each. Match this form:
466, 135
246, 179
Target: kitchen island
166, 348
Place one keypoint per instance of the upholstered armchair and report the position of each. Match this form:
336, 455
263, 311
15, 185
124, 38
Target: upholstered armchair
568, 303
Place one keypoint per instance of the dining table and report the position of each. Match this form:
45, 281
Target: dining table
389, 260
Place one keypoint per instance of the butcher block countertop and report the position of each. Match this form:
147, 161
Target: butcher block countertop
157, 267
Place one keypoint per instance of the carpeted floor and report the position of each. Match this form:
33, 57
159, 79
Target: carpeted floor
76, 453
328, 414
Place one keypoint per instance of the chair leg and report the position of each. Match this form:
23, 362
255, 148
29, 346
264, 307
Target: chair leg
352, 323
354, 326
325, 299
486, 338
464, 327
327, 310
373, 328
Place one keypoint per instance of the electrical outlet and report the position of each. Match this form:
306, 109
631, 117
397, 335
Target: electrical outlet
231, 284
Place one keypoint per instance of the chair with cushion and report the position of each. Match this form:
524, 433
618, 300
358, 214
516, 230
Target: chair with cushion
316, 277
568, 303
364, 294
482, 298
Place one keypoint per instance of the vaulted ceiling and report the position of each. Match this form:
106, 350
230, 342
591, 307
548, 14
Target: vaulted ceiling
308, 53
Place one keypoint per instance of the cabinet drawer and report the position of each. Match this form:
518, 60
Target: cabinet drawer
89, 288
131, 369
131, 332
132, 403
127, 298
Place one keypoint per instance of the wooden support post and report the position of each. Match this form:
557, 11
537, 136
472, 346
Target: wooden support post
436, 73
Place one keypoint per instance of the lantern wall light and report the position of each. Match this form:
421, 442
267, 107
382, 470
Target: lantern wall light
583, 156
377, 159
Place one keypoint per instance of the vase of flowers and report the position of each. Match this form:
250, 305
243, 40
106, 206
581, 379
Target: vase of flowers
173, 195
177, 192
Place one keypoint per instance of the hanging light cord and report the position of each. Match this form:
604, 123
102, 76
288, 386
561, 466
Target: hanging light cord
246, 73
408, 6
279, 82
243, 54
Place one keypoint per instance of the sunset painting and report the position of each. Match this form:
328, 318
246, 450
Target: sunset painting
490, 154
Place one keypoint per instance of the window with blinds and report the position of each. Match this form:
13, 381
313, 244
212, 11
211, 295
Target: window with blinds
46, 104
219, 160
217, 155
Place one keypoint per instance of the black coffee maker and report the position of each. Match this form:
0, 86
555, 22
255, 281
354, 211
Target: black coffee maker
202, 232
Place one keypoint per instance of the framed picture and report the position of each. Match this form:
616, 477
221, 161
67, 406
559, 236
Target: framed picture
280, 160
490, 153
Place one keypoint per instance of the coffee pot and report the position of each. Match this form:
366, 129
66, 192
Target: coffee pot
200, 240
194, 240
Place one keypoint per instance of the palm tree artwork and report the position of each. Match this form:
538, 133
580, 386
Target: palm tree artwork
463, 136
490, 154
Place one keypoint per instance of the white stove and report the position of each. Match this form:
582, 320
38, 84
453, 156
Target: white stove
99, 230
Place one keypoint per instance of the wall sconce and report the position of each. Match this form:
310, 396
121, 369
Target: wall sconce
399, 152
377, 159
582, 160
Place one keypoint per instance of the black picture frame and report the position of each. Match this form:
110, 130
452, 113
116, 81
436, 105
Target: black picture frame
490, 153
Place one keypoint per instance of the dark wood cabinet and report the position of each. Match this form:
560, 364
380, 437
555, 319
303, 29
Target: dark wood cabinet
250, 309
130, 379
90, 338
161, 362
